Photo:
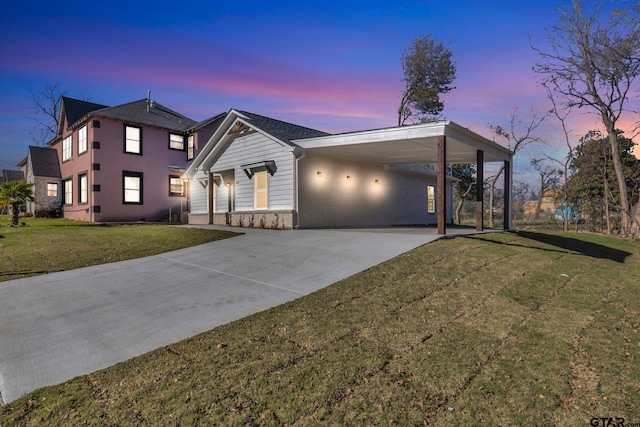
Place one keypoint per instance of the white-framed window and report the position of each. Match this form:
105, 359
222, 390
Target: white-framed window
52, 189
132, 139
82, 139
82, 188
431, 199
68, 192
190, 147
176, 186
176, 142
132, 187
260, 190
66, 148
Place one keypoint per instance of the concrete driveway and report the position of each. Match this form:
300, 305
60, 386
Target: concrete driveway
57, 326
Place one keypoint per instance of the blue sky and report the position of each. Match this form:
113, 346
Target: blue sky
330, 65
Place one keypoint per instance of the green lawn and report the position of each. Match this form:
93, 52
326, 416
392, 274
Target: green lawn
495, 329
49, 245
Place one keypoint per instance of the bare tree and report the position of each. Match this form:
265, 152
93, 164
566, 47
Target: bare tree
519, 135
564, 163
549, 178
593, 62
428, 72
47, 103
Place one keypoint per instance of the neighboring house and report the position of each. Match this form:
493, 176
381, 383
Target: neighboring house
42, 169
124, 163
11, 175
260, 172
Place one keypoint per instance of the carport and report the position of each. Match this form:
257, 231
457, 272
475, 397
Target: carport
437, 144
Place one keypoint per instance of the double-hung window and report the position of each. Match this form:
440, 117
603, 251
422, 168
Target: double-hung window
176, 186
132, 139
260, 190
66, 148
82, 188
132, 187
176, 142
82, 139
68, 192
52, 189
190, 147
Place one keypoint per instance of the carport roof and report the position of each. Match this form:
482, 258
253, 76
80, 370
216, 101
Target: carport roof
416, 144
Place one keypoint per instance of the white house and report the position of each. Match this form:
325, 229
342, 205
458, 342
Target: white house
260, 172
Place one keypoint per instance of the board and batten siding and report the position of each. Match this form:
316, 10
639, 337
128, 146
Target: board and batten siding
253, 148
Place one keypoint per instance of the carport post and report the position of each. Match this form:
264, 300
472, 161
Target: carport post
479, 190
441, 198
507, 195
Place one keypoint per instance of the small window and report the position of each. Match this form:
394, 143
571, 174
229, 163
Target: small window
176, 142
66, 148
82, 188
82, 139
176, 186
68, 192
132, 139
52, 189
431, 199
260, 190
190, 147
132, 187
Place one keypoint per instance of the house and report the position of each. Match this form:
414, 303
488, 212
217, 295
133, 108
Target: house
124, 163
41, 168
257, 171
11, 175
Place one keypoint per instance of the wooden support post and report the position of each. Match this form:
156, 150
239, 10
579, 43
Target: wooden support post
441, 199
479, 190
507, 195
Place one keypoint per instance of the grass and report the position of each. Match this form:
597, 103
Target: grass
47, 245
494, 329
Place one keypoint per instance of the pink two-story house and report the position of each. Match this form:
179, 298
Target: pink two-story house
124, 163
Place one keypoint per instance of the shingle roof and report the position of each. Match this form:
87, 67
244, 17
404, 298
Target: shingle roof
157, 115
206, 122
11, 175
284, 131
76, 109
44, 162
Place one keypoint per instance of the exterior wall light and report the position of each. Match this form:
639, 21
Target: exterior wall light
348, 177
377, 181
319, 173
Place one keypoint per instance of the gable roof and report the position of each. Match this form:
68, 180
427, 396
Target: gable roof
11, 175
44, 162
285, 132
75, 109
206, 122
145, 113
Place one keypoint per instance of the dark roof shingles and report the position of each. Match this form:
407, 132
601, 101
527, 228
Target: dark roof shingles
76, 109
286, 132
44, 162
156, 115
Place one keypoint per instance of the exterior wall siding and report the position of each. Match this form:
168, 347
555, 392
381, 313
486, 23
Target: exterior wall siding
332, 200
250, 149
199, 194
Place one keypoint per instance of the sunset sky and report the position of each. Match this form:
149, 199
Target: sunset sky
330, 65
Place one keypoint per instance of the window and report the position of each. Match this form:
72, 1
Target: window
132, 187
68, 192
82, 139
176, 186
431, 198
190, 147
52, 189
176, 142
82, 188
66, 148
132, 139
260, 193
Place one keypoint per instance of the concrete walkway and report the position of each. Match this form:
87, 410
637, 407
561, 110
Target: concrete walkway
58, 326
